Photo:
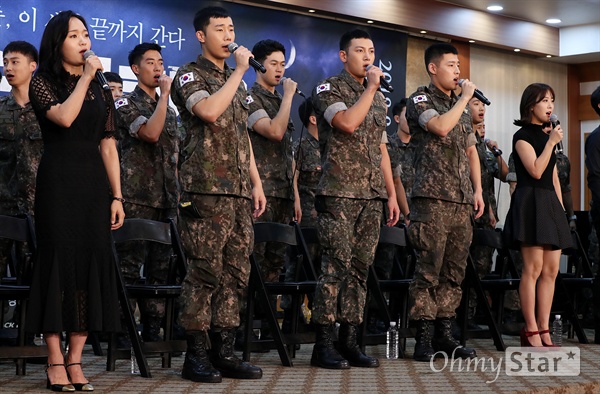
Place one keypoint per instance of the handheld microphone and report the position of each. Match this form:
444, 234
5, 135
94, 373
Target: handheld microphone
497, 152
298, 91
386, 85
477, 94
99, 75
253, 62
555, 122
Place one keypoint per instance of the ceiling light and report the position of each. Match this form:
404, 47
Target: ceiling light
423, 31
369, 21
495, 8
517, 50
472, 41
548, 55
553, 20
311, 11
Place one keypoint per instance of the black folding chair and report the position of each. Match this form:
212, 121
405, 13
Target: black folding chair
164, 233
16, 287
398, 285
289, 235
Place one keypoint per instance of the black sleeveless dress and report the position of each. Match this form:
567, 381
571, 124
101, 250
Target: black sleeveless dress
536, 216
74, 284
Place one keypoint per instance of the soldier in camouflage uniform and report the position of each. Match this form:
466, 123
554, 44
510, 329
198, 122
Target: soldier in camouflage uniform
492, 167
221, 192
115, 82
308, 168
402, 152
271, 128
20, 137
563, 167
356, 178
149, 151
443, 198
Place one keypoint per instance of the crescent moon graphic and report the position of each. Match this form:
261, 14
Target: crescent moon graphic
292, 58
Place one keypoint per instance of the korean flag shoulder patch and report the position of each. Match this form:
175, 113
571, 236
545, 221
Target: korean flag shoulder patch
419, 98
185, 78
121, 102
324, 87
249, 100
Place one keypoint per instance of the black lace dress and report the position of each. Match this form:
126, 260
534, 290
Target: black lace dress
74, 285
536, 216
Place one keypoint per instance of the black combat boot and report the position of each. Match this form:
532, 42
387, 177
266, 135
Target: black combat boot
324, 354
423, 349
444, 341
348, 348
197, 366
225, 360
151, 331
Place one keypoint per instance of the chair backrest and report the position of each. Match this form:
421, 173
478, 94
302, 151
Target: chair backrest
19, 229
274, 232
155, 231
143, 230
393, 235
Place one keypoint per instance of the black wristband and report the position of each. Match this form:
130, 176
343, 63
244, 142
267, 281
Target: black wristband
119, 199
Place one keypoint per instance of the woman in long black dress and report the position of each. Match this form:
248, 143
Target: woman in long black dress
74, 285
536, 220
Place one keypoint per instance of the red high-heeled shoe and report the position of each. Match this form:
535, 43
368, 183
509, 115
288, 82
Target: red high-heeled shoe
547, 331
525, 335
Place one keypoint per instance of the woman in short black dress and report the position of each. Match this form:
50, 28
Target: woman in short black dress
74, 287
536, 220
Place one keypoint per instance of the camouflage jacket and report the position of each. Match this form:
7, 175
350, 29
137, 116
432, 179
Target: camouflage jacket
351, 162
402, 157
273, 158
488, 164
309, 173
148, 170
215, 157
442, 169
21, 148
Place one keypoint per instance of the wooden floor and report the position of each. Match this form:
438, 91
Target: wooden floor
393, 376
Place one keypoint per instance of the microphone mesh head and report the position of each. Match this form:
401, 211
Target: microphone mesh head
553, 118
88, 53
460, 81
232, 47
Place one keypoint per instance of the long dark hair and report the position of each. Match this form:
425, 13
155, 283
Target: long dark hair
532, 95
51, 56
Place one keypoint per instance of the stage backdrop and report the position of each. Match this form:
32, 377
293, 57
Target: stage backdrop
116, 26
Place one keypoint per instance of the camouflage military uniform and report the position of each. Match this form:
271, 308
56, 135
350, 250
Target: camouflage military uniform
349, 200
215, 176
563, 168
441, 210
20, 152
274, 163
149, 186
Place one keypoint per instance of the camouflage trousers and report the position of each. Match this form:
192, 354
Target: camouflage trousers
383, 261
348, 233
218, 243
152, 257
482, 259
271, 256
440, 233
511, 297
291, 270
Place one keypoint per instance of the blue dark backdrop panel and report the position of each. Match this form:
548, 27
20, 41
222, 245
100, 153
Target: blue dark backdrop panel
116, 26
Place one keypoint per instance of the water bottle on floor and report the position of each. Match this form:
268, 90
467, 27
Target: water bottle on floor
392, 341
557, 328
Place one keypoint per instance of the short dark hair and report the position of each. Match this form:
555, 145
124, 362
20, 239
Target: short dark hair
55, 33
398, 107
350, 35
113, 77
24, 48
264, 48
435, 52
202, 17
305, 110
595, 100
137, 53
532, 95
